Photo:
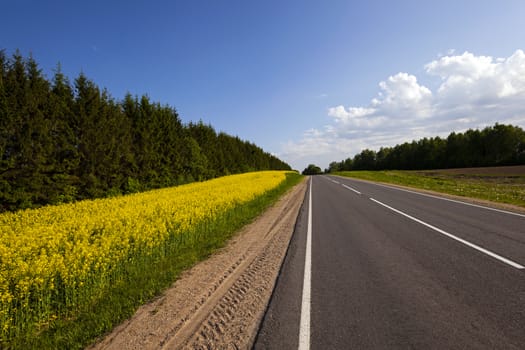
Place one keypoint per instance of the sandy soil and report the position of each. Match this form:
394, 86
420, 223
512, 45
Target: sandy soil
220, 302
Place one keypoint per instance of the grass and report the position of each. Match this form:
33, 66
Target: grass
146, 279
495, 187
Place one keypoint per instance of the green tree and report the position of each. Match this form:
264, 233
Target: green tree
366, 160
196, 163
61, 142
62, 180
6, 135
334, 166
206, 138
312, 169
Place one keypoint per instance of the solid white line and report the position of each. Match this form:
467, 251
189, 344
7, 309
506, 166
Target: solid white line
351, 189
467, 243
304, 330
452, 200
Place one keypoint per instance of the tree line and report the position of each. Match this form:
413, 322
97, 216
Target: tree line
61, 142
496, 145
312, 169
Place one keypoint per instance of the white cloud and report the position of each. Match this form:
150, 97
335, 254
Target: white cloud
473, 91
356, 116
402, 92
475, 79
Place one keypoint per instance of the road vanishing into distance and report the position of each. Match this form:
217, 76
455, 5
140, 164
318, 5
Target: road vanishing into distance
378, 267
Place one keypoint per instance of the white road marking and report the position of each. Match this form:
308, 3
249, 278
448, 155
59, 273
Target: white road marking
467, 243
452, 200
304, 330
351, 189
334, 181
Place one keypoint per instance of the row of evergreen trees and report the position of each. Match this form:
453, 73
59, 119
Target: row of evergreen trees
61, 142
493, 146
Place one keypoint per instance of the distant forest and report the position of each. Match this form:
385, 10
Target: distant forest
61, 142
497, 145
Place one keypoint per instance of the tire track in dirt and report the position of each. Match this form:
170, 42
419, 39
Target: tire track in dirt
220, 302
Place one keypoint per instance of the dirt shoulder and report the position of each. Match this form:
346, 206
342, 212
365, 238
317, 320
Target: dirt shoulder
219, 303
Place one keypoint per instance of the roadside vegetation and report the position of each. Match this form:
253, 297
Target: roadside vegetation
497, 184
487, 164
71, 272
62, 142
91, 225
497, 145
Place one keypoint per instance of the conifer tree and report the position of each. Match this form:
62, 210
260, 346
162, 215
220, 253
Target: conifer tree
61, 142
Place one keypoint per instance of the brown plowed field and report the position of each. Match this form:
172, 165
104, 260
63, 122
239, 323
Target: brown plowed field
516, 170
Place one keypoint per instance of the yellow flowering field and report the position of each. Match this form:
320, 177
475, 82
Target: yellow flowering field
57, 258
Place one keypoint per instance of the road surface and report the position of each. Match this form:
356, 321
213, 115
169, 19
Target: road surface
393, 269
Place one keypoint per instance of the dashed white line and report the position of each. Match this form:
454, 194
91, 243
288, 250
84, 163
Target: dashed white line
467, 243
351, 189
452, 200
304, 330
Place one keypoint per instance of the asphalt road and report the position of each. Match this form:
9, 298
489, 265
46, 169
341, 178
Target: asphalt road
392, 269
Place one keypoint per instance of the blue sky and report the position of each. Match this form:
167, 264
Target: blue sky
310, 81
